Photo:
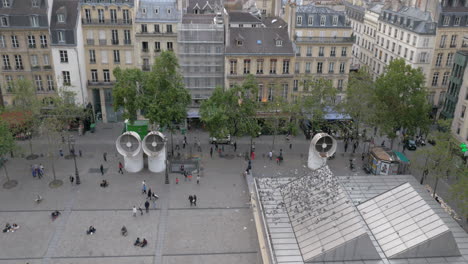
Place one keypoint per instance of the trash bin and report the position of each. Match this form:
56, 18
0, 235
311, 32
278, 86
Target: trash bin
92, 127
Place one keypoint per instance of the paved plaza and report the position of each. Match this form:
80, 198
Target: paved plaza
221, 229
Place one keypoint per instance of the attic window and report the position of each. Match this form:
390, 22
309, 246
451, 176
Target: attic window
61, 18
310, 20
240, 42
279, 43
335, 20
143, 10
35, 3
6, 3
156, 10
323, 19
168, 10
299, 20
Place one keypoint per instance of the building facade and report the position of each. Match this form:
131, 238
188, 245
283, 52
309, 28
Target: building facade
267, 53
109, 39
459, 80
323, 42
25, 48
355, 15
156, 25
68, 49
452, 35
407, 33
201, 54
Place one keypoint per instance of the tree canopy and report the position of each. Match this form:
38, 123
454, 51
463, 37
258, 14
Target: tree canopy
160, 95
7, 141
400, 99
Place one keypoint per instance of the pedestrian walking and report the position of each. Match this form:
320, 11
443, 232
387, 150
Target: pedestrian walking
61, 152
134, 211
252, 155
72, 179
235, 146
184, 142
102, 169
149, 193
194, 200
147, 206
185, 175
141, 210
281, 153
33, 171
198, 179
190, 198
346, 146
211, 152
355, 147
143, 187
290, 145
120, 167
189, 177
80, 153
176, 180
41, 171
216, 145
270, 155
105, 156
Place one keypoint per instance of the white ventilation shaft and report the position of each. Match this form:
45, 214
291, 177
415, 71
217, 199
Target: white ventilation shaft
154, 145
129, 146
321, 147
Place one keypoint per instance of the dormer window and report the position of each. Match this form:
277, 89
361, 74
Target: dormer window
279, 43
4, 21
446, 20
299, 20
456, 22
35, 3
156, 10
143, 10
168, 10
310, 20
34, 21
61, 36
335, 20
240, 42
61, 18
6, 3
323, 20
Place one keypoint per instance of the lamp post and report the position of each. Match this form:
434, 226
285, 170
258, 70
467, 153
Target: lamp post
166, 163
77, 175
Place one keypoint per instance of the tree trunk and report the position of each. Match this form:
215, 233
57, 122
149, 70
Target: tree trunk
6, 172
51, 157
251, 143
274, 133
30, 144
435, 186
172, 145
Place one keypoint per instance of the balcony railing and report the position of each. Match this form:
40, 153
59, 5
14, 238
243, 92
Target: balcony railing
44, 46
98, 82
127, 42
115, 42
144, 50
106, 22
103, 42
32, 46
155, 34
325, 39
146, 67
47, 67
90, 41
35, 68
6, 68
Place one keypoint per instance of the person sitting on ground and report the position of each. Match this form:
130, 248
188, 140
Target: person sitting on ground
144, 243
124, 231
91, 230
14, 227
38, 199
55, 214
104, 184
7, 228
137, 242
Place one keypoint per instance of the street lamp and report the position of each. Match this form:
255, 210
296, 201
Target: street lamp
77, 175
166, 163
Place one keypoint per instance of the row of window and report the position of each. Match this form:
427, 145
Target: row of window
366, 29
34, 3
105, 59
401, 34
435, 78
306, 85
102, 36
157, 46
285, 67
38, 82
456, 20
33, 21
95, 76
30, 41
260, 63
206, 49
323, 20
125, 18
156, 29
453, 41
448, 61
321, 51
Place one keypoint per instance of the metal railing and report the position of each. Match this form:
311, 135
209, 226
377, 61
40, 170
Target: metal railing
106, 22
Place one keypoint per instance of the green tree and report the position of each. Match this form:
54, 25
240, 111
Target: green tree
232, 111
438, 159
165, 98
26, 102
127, 92
400, 100
7, 144
459, 191
358, 103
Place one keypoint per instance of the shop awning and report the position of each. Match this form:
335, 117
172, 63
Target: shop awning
401, 156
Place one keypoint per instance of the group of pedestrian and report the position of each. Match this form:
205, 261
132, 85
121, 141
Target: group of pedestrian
37, 170
193, 200
351, 140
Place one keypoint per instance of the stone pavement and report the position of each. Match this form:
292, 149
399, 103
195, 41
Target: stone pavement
219, 230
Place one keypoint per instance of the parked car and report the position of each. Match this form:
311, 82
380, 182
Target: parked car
410, 145
224, 140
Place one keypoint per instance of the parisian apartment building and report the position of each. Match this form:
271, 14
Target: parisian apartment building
74, 45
